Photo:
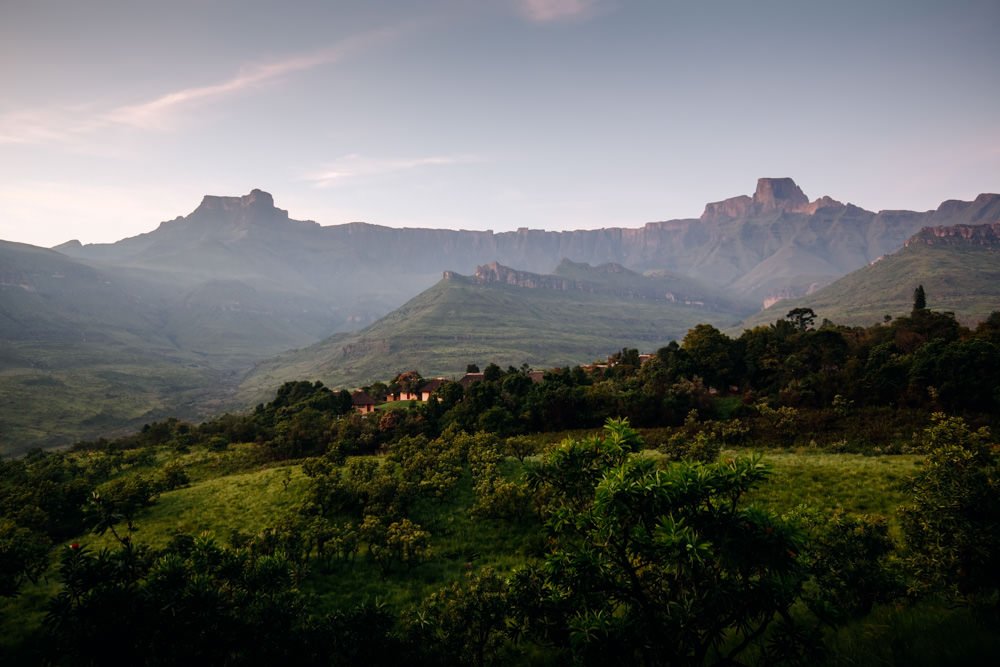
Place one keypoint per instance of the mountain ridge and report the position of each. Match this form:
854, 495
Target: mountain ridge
958, 265
502, 315
728, 246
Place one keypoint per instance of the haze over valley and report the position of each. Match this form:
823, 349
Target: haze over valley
186, 318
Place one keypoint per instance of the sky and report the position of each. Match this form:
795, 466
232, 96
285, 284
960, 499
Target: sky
486, 114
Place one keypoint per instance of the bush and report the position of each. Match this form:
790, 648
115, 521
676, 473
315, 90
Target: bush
951, 523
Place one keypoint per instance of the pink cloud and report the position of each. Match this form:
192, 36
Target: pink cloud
64, 125
546, 11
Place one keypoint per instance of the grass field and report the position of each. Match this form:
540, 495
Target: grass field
856, 483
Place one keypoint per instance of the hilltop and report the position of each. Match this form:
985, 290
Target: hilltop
958, 265
575, 315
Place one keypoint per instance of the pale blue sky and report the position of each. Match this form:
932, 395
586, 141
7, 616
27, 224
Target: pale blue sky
486, 114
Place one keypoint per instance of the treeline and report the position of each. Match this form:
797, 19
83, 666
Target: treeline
787, 383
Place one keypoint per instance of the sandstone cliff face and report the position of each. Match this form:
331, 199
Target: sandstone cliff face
985, 236
606, 279
783, 194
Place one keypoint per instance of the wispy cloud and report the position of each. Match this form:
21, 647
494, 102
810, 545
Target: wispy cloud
66, 124
356, 166
547, 11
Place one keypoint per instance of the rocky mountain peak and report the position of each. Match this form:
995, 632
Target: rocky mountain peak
255, 207
779, 194
772, 194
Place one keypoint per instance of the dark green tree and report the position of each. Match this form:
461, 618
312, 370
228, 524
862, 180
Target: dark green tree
802, 318
23, 556
919, 298
655, 566
465, 623
951, 522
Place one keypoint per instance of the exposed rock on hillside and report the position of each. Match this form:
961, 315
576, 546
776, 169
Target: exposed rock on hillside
987, 236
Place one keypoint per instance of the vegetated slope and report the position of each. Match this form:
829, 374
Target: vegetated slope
84, 351
959, 267
90, 350
508, 317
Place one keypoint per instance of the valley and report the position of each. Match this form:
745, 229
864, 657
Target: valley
212, 310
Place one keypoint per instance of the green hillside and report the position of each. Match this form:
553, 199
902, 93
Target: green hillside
459, 321
963, 278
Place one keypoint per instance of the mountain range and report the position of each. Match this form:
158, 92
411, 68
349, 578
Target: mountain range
184, 318
773, 244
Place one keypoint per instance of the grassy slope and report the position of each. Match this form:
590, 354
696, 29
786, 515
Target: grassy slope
964, 280
223, 498
456, 322
220, 500
57, 399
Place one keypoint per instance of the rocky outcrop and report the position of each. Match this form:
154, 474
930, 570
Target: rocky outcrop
778, 194
985, 236
727, 209
606, 279
494, 273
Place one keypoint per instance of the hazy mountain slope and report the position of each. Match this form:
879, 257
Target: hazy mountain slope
504, 316
959, 267
84, 352
359, 271
88, 349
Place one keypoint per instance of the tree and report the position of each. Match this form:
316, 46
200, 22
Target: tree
492, 373
464, 623
919, 298
712, 355
951, 523
117, 501
802, 318
472, 368
848, 559
23, 556
655, 566
232, 607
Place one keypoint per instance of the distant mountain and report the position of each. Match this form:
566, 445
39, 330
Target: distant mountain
576, 315
958, 265
773, 244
